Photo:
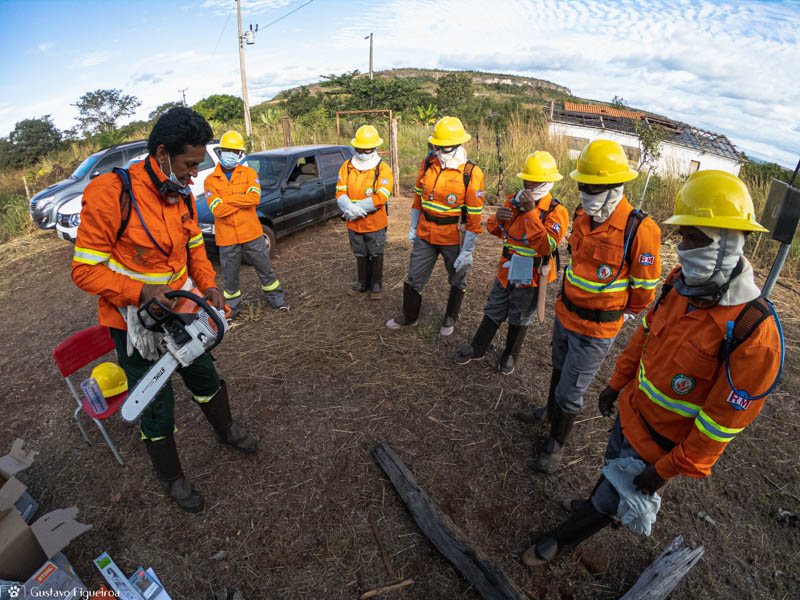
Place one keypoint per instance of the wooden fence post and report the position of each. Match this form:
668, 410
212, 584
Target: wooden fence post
286, 122
263, 144
27, 191
499, 171
394, 157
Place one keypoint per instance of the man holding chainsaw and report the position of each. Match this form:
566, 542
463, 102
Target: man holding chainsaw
531, 225
445, 219
614, 269
232, 193
694, 374
139, 239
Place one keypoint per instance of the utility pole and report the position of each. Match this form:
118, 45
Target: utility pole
370, 55
248, 127
183, 93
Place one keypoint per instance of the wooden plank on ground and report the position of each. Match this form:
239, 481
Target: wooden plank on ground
660, 578
486, 577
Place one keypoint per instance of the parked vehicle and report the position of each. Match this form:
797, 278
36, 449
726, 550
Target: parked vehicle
69, 215
298, 189
44, 206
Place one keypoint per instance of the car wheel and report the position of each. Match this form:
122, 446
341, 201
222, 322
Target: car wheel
269, 236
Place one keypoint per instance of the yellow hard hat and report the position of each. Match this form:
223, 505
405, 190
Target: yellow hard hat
449, 131
540, 166
111, 379
715, 199
232, 140
603, 162
366, 137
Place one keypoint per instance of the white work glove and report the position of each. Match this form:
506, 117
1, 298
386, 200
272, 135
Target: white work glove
355, 212
344, 203
464, 259
140, 338
367, 205
412, 233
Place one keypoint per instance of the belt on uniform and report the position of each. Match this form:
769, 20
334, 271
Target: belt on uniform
665, 444
538, 261
440, 220
591, 314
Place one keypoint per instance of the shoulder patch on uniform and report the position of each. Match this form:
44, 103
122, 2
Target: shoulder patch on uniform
682, 384
737, 402
257, 181
556, 227
209, 194
479, 194
647, 259
384, 181
604, 272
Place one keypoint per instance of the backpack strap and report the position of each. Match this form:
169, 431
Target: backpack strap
635, 218
125, 204
545, 213
751, 316
467, 176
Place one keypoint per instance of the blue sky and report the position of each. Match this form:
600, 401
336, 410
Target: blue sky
729, 67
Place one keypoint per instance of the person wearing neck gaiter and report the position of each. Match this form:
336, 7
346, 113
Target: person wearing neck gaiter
678, 411
362, 193
531, 225
614, 269
445, 219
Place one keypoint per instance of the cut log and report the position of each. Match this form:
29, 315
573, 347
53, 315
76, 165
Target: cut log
660, 578
487, 578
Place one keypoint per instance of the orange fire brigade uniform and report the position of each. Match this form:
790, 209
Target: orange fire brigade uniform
115, 270
440, 194
233, 204
527, 235
596, 255
673, 382
359, 185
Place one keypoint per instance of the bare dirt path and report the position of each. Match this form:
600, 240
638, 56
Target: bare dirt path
319, 386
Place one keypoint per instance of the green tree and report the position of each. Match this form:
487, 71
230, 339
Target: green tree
30, 140
764, 173
221, 107
454, 90
160, 110
300, 101
620, 102
650, 138
100, 110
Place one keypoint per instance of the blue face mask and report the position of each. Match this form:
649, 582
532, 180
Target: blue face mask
173, 185
228, 160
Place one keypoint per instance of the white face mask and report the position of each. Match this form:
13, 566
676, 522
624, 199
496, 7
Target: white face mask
446, 156
698, 264
540, 190
365, 161
600, 206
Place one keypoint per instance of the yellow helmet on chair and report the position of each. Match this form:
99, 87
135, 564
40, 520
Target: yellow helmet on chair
603, 162
366, 137
449, 131
540, 166
111, 379
232, 140
715, 199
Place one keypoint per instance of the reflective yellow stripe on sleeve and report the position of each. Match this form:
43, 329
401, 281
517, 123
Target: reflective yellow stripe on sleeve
714, 430
214, 204
145, 277
384, 191
196, 241
88, 256
253, 188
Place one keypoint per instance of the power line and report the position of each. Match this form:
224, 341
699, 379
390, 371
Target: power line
287, 14
221, 33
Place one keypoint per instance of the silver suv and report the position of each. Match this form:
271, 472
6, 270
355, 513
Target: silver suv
44, 205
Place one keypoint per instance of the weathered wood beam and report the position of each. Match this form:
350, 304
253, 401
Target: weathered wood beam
660, 578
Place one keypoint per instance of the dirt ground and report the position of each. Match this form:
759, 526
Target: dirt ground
319, 386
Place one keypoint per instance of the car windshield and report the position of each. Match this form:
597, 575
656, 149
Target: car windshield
269, 169
85, 166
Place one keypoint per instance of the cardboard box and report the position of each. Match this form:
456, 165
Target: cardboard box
24, 548
27, 507
55, 579
11, 488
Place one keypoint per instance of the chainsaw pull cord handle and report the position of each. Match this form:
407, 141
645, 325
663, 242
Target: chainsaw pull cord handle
167, 314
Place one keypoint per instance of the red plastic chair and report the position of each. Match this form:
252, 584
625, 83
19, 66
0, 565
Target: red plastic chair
77, 351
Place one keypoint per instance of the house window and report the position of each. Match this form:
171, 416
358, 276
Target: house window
576, 143
633, 154
694, 166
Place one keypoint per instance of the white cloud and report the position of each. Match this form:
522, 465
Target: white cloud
249, 7
93, 59
45, 46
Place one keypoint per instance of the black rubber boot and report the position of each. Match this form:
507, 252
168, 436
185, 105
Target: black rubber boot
412, 302
534, 416
454, 301
360, 286
167, 466
579, 527
218, 412
514, 341
578, 504
375, 277
476, 350
549, 460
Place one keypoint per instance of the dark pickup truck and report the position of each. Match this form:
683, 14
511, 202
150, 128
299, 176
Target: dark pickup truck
298, 188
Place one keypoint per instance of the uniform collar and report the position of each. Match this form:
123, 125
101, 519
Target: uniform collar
544, 202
